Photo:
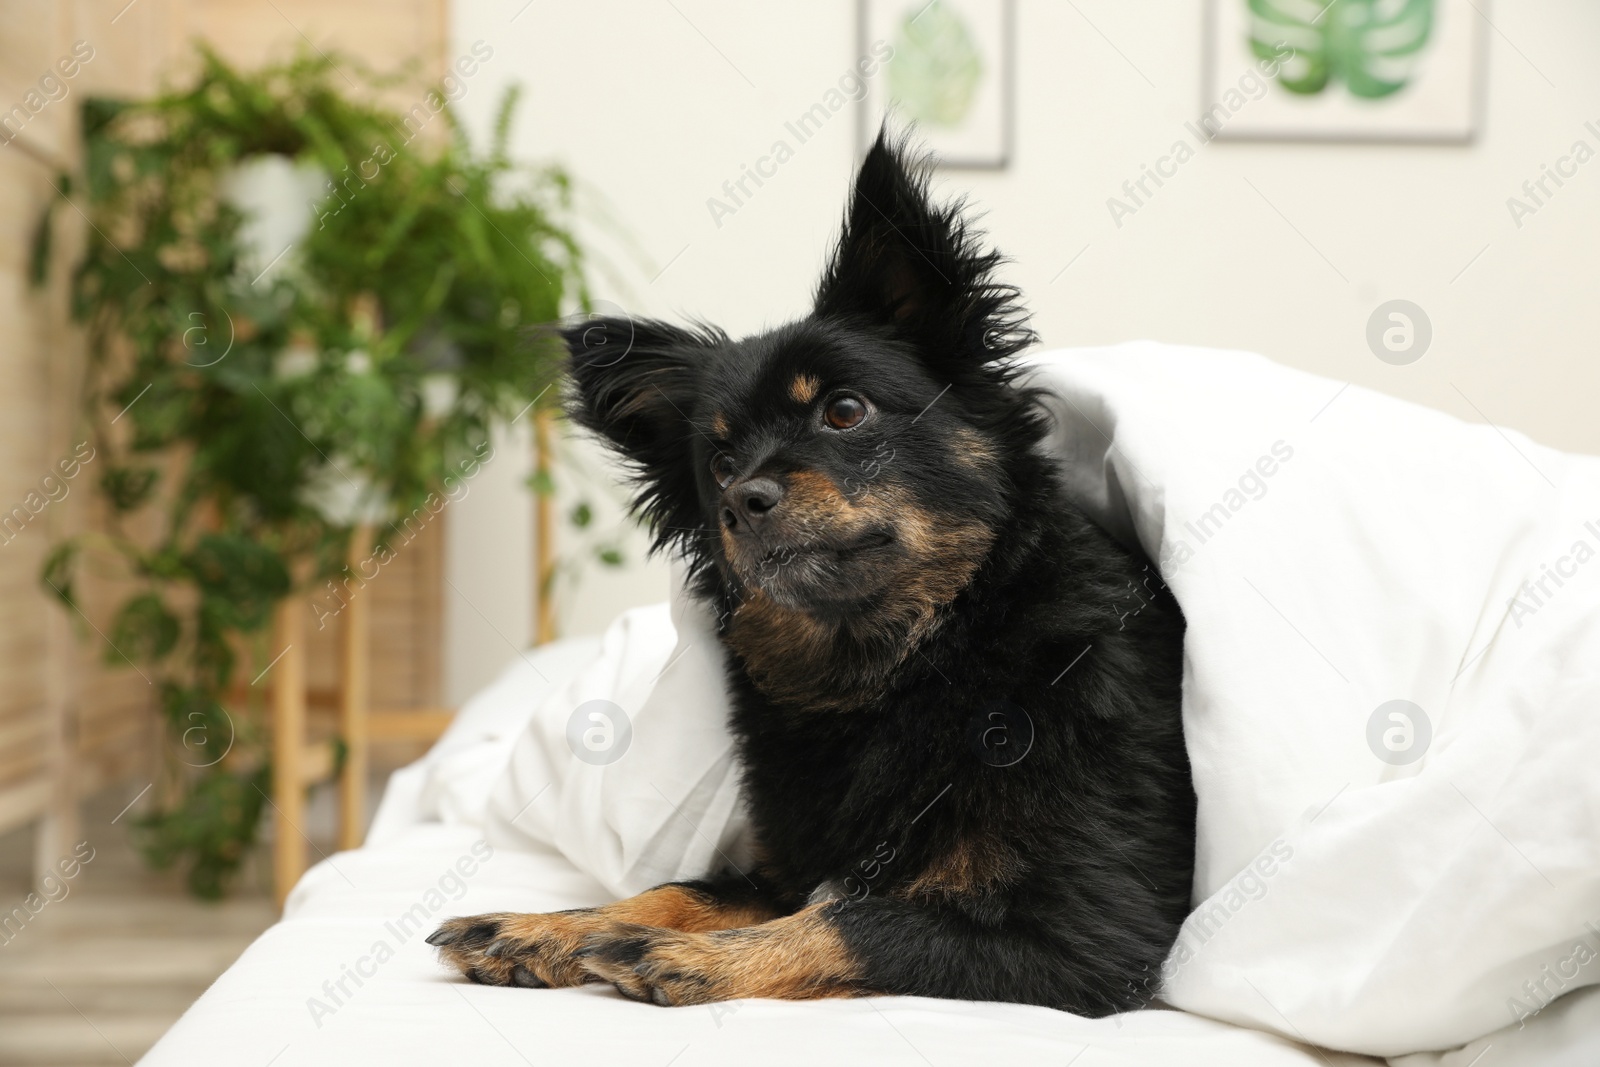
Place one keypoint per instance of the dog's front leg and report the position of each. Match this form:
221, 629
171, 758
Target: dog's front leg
873, 945
538, 951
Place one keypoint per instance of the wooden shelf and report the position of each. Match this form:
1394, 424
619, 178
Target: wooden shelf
299, 762
408, 724
358, 724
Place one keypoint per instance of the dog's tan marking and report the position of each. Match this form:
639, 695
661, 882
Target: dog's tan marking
779, 645
543, 944
973, 450
798, 957
803, 389
678, 907
719, 425
799, 659
974, 865
813, 496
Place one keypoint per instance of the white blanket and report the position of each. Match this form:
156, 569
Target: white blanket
346, 977
283, 1003
1389, 702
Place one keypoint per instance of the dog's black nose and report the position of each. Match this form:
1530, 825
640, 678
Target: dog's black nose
750, 502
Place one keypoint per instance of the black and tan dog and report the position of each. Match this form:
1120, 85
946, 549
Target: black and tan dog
956, 700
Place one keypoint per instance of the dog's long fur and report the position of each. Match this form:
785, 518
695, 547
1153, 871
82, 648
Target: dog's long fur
956, 699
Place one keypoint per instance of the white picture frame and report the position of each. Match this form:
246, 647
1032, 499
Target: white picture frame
953, 80
1442, 78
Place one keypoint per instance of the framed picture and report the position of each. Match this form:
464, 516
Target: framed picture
1343, 70
949, 72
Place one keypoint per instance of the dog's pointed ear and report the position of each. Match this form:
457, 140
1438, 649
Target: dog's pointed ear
918, 268
634, 384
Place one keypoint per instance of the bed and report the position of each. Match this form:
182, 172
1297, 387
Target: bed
282, 1002
1438, 911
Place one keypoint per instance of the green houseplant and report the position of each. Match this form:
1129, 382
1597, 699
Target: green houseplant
248, 413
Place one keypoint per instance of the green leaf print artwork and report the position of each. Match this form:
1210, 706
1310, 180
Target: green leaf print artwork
936, 68
1373, 46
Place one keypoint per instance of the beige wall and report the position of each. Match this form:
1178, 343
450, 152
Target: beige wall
52, 691
653, 107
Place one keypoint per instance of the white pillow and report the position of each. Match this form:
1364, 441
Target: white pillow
451, 782
629, 769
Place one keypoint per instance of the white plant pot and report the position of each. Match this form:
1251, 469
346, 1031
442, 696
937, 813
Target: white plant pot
345, 497
277, 197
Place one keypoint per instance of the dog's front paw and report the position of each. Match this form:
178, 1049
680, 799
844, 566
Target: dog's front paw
533, 951
666, 967
797, 957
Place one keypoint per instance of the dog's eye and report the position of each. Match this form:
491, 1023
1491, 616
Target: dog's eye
844, 412
722, 469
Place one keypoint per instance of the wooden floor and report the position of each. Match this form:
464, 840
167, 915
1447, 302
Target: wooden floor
101, 973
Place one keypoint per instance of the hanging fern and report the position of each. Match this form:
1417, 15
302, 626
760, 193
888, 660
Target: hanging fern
221, 396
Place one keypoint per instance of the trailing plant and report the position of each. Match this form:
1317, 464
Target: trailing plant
234, 402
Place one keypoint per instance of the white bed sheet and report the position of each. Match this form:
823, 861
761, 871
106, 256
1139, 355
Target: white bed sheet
294, 1000
272, 1007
